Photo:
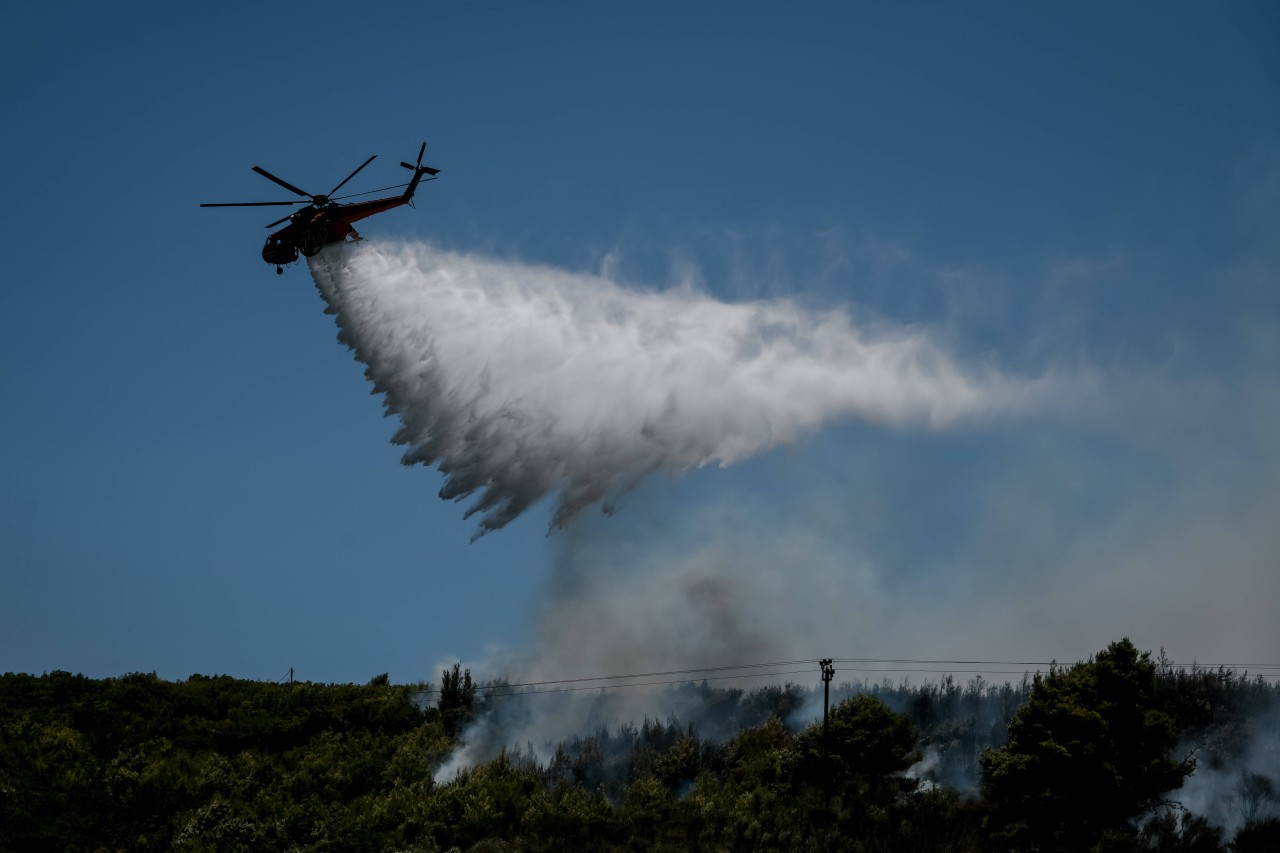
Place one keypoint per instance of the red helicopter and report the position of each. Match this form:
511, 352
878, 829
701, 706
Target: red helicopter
324, 220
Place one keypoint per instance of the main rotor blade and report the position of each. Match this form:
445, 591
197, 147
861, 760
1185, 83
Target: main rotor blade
278, 221
270, 177
352, 175
250, 203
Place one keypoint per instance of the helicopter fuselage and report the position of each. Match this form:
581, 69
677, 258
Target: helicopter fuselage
312, 228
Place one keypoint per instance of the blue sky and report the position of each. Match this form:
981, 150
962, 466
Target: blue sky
194, 478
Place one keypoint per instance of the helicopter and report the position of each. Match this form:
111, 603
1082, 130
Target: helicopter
326, 219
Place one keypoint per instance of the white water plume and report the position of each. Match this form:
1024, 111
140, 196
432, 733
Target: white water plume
521, 381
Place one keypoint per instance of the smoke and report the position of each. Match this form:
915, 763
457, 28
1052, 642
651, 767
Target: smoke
622, 601
522, 381
976, 545
1239, 783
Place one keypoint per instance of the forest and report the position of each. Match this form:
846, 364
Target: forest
1122, 752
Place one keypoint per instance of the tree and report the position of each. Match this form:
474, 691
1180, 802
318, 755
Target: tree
457, 694
1090, 750
865, 739
1258, 837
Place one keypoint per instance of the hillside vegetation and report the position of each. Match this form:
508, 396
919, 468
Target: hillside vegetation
1087, 757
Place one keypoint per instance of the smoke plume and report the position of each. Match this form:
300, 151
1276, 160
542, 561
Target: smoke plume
521, 381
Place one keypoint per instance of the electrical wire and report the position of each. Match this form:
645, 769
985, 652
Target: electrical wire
496, 688
647, 675
917, 665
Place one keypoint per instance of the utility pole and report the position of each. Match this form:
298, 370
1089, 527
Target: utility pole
291, 675
828, 673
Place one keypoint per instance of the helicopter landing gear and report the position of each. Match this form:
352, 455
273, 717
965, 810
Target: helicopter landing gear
279, 270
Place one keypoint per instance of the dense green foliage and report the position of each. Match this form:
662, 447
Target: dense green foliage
1090, 751
137, 763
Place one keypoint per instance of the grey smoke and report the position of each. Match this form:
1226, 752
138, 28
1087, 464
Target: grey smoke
520, 381
1242, 785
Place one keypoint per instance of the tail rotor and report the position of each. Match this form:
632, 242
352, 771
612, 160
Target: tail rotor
418, 167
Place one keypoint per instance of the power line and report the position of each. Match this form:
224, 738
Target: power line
497, 688
962, 662
918, 665
941, 671
1053, 663
647, 675
953, 671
